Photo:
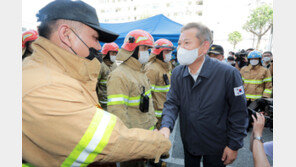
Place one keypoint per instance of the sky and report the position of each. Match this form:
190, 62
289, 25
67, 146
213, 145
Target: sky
221, 16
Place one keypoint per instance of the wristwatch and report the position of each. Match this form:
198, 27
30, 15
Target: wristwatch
260, 138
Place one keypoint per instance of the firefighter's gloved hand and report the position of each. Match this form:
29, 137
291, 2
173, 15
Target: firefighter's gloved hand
165, 156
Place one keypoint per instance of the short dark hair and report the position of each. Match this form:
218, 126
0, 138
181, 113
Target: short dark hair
250, 49
269, 52
231, 52
45, 28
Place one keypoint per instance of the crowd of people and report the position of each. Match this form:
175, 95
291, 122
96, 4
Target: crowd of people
87, 104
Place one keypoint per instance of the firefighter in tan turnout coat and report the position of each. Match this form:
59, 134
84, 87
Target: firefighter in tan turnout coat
109, 51
257, 79
158, 71
128, 88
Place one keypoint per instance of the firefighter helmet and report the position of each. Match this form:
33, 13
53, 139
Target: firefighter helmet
27, 36
136, 38
162, 44
254, 54
109, 47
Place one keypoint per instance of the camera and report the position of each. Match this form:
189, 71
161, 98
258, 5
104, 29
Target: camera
144, 101
240, 58
265, 106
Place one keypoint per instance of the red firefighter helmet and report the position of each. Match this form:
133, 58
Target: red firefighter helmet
110, 47
136, 38
162, 44
27, 36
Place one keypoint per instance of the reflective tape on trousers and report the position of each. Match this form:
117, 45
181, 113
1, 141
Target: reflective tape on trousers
267, 91
27, 165
104, 82
158, 113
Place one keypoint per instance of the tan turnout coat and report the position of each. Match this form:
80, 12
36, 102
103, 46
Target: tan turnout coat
61, 125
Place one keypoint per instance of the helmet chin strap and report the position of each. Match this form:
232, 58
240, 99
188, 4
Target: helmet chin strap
160, 56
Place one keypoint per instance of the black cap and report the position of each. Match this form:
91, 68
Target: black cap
216, 49
77, 11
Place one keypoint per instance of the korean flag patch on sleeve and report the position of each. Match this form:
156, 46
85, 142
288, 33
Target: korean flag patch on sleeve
239, 91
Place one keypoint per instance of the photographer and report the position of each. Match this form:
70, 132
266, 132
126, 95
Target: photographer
231, 61
241, 59
256, 142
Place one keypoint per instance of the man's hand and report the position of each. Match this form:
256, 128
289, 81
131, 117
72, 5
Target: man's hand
165, 131
258, 124
228, 156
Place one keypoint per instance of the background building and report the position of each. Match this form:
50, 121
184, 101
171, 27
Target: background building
222, 17
117, 11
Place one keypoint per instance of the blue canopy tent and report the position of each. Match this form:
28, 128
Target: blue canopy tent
159, 26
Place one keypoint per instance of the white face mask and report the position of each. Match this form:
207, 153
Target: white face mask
167, 57
144, 57
254, 62
187, 57
266, 59
113, 58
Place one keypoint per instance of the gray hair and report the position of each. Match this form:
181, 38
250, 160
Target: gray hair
203, 34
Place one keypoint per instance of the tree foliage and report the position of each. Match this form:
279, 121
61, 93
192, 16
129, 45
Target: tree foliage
234, 38
259, 22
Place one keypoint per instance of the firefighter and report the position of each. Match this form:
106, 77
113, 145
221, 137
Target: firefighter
128, 88
257, 79
109, 51
27, 38
62, 124
158, 73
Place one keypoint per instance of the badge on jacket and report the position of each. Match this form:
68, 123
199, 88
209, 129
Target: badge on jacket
239, 91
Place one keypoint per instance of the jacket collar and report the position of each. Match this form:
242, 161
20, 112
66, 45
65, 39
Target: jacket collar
134, 64
75, 66
254, 68
165, 65
109, 63
205, 70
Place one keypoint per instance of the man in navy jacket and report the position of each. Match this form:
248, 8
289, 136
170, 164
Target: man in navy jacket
209, 97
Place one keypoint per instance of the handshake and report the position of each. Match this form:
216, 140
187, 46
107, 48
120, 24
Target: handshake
164, 131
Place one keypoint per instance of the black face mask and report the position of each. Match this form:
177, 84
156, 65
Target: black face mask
93, 53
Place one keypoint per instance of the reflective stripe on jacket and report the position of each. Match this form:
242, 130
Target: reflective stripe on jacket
126, 100
257, 82
155, 71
